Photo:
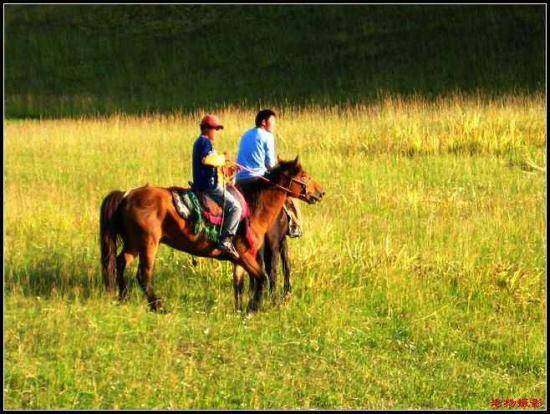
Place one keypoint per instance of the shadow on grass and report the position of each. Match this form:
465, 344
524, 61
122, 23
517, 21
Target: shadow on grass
53, 278
47, 279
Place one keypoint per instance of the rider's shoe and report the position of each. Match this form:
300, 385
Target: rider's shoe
226, 246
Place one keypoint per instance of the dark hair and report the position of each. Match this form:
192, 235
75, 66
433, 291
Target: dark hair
263, 114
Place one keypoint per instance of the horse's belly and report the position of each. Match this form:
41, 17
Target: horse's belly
201, 249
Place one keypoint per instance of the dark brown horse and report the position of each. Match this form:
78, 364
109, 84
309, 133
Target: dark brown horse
145, 217
275, 247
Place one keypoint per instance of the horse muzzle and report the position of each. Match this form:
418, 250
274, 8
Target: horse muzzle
314, 198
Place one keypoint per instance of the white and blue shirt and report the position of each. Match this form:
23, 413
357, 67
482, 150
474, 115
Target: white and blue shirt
256, 152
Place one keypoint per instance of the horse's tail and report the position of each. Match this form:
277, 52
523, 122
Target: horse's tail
109, 228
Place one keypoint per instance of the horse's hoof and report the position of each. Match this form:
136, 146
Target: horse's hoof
252, 308
275, 300
160, 310
157, 306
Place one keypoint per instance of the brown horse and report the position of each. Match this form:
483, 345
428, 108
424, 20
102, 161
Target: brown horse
145, 217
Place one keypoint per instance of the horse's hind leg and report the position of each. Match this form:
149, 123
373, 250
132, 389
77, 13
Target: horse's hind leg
122, 261
145, 274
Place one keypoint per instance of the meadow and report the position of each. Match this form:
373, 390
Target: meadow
419, 282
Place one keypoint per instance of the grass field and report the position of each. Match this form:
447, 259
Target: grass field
419, 282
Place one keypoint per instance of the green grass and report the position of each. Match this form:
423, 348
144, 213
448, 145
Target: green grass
419, 282
72, 60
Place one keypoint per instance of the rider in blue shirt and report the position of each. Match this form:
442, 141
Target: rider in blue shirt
257, 154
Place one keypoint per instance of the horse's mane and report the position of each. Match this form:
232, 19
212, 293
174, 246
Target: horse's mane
254, 188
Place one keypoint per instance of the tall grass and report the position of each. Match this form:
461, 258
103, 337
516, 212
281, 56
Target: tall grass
419, 282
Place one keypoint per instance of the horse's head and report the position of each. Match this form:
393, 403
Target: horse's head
291, 175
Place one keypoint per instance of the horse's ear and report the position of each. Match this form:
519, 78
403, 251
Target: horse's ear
297, 160
279, 160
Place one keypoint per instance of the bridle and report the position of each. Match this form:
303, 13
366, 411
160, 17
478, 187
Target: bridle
302, 195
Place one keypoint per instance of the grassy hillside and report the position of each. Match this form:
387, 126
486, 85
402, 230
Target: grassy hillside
70, 60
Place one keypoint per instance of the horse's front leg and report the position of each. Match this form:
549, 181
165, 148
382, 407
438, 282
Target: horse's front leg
271, 260
259, 276
255, 302
238, 286
286, 267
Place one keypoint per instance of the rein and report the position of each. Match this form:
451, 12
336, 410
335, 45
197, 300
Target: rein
280, 187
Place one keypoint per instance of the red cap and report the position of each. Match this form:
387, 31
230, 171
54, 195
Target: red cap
211, 121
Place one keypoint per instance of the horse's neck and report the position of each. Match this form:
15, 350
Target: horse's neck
267, 209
